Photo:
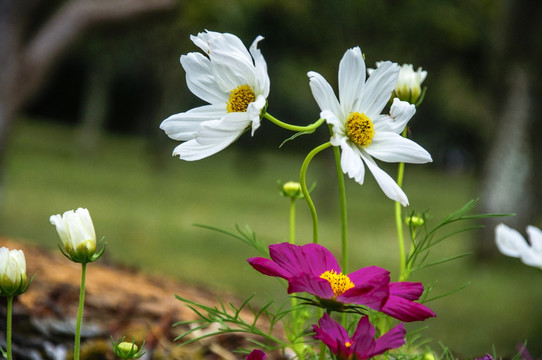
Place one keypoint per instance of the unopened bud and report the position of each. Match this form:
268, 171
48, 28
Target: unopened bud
414, 221
291, 189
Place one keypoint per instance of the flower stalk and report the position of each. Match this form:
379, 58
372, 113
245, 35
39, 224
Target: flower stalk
77, 345
399, 222
308, 128
8, 327
303, 182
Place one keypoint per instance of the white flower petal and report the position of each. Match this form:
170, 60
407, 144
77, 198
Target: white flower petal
378, 89
262, 78
324, 95
535, 238
509, 241
386, 183
231, 63
351, 78
213, 136
200, 79
391, 147
400, 113
254, 111
184, 126
351, 162
338, 125
531, 258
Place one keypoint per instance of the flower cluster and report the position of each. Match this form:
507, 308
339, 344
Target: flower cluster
364, 126
235, 83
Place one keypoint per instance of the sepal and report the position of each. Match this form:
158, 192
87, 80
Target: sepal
84, 257
23, 286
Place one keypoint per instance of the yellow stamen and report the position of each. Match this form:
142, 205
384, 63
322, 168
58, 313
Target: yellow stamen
360, 129
240, 97
340, 282
347, 344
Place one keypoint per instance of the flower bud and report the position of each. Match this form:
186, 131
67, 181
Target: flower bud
414, 221
291, 189
409, 83
76, 232
127, 350
13, 279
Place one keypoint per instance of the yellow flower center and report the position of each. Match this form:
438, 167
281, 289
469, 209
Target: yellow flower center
239, 99
347, 344
360, 129
340, 282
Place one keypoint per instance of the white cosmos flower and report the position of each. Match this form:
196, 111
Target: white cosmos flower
359, 128
511, 243
233, 81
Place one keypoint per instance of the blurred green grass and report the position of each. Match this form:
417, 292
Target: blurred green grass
146, 207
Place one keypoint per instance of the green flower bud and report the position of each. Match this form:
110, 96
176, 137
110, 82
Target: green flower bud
127, 350
292, 189
13, 278
414, 221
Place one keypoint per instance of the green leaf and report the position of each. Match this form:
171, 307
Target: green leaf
295, 135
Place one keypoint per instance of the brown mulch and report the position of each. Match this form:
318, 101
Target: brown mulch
119, 302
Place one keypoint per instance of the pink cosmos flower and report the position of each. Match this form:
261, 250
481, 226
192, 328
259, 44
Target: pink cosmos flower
362, 345
256, 354
313, 269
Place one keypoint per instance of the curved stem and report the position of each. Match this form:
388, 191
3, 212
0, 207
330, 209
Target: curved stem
8, 328
284, 125
80, 313
303, 182
399, 222
342, 200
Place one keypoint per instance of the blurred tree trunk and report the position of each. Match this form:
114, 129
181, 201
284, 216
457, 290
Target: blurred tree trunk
512, 176
27, 54
95, 104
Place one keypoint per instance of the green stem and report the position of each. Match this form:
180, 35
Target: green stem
303, 182
342, 199
284, 125
322, 351
8, 330
399, 222
292, 221
80, 313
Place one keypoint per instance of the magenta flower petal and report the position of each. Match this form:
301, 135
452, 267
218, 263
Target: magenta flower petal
362, 343
269, 267
371, 287
256, 354
393, 339
309, 283
407, 290
406, 310
311, 258
333, 335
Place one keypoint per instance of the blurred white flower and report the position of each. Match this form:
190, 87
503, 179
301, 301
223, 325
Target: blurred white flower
76, 232
409, 83
12, 271
359, 128
233, 81
511, 243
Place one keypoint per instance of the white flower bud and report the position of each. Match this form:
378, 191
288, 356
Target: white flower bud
409, 83
76, 232
12, 272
